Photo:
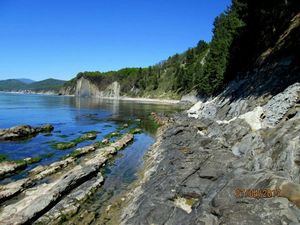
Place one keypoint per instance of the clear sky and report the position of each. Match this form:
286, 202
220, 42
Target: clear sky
59, 38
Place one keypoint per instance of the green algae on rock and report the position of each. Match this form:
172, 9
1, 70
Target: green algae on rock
67, 145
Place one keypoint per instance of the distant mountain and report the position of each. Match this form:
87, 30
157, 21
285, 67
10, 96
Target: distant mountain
25, 80
48, 84
29, 85
11, 85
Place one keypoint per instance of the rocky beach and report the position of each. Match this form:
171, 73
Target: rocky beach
199, 169
208, 136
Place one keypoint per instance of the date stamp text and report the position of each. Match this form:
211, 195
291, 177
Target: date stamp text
256, 193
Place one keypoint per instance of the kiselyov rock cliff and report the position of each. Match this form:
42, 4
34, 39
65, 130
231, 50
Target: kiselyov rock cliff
230, 159
86, 88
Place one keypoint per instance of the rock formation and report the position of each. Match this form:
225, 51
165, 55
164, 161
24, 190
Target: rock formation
63, 192
198, 165
85, 88
235, 159
22, 132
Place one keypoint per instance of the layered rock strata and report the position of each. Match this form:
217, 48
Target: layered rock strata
23, 131
236, 163
61, 192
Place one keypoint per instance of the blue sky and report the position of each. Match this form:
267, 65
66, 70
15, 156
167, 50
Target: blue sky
59, 38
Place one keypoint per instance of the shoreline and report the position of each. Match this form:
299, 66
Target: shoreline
122, 205
195, 167
122, 98
30, 93
141, 100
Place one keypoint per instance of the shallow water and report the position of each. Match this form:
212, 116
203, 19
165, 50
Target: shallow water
71, 117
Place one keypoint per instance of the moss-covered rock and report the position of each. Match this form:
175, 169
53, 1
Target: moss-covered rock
91, 135
113, 134
64, 145
136, 131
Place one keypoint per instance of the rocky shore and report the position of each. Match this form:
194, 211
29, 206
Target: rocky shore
55, 191
224, 161
235, 162
23, 132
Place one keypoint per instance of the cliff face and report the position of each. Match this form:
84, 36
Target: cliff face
271, 85
235, 159
85, 88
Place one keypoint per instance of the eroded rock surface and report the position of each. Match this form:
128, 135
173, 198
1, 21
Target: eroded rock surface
64, 191
198, 166
7, 167
23, 131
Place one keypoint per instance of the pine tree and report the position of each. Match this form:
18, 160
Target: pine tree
225, 28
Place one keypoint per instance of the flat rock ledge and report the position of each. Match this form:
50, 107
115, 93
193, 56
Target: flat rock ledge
70, 204
8, 167
61, 194
38, 173
192, 175
23, 132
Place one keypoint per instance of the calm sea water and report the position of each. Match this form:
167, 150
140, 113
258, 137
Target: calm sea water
71, 117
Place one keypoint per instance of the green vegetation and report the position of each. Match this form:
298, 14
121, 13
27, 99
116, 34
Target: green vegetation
93, 132
34, 160
225, 28
100, 144
3, 157
44, 85
47, 155
113, 134
74, 154
11, 84
264, 23
241, 34
135, 131
150, 125
168, 79
66, 145
63, 145
49, 84
63, 136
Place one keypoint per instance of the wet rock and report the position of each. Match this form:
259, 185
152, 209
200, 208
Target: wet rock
46, 128
37, 199
64, 145
89, 136
23, 131
11, 189
105, 141
41, 172
70, 204
124, 141
73, 143
196, 167
9, 167
136, 131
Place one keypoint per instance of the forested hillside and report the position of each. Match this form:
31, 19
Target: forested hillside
38, 86
243, 38
170, 78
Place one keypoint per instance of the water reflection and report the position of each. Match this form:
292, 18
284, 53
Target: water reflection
18, 109
121, 108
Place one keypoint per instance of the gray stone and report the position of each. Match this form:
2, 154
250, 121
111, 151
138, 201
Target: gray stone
38, 198
279, 105
22, 132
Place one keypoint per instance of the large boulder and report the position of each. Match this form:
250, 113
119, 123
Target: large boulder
23, 131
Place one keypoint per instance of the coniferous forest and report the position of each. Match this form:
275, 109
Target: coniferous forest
208, 67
